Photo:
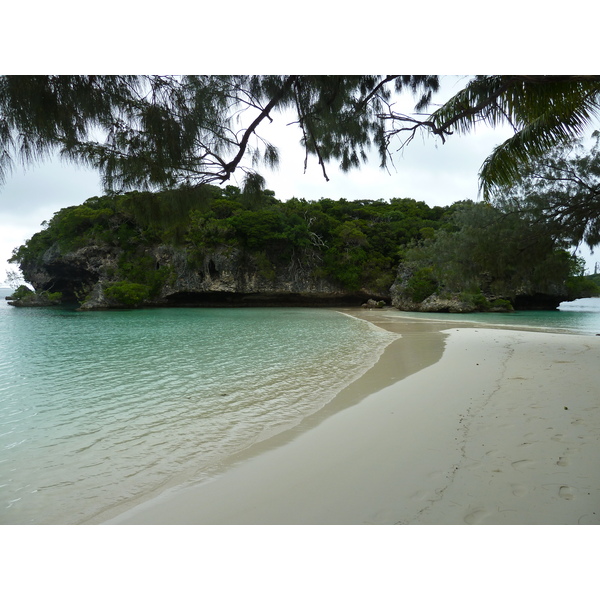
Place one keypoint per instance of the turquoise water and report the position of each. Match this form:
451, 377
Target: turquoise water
102, 408
580, 316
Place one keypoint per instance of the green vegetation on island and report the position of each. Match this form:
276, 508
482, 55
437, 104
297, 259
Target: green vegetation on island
354, 244
472, 250
486, 257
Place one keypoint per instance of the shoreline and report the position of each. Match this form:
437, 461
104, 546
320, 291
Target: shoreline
384, 371
457, 423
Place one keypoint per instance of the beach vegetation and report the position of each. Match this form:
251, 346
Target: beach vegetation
354, 244
422, 284
22, 292
477, 249
501, 304
53, 297
595, 279
477, 299
583, 287
24, 296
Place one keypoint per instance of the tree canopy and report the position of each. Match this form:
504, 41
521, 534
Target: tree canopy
561, 189
472, 249
543, 111
487, 252
152, 132
163, 131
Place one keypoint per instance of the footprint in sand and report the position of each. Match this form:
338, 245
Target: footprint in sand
521, 465
562, 461
476, 517
419, 495
518, 490
565, 492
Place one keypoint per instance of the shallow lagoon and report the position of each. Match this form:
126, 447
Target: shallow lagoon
99, 409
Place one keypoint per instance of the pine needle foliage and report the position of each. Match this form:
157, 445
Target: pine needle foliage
39, 114
155, 132
562, 189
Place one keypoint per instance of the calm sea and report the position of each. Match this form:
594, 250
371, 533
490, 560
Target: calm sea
580, 316
98, 409
101, 408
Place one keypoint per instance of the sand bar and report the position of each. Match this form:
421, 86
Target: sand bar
456, 424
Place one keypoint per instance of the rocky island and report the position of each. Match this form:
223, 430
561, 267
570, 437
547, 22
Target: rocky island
218, 247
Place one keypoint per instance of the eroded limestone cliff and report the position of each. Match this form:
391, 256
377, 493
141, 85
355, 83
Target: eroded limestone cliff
229, 277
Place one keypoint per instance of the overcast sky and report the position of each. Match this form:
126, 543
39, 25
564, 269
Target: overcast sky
438, 174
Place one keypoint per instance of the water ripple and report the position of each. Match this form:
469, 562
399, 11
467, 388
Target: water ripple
99, 408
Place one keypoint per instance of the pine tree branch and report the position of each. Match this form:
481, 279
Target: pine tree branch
362, 103
232, 165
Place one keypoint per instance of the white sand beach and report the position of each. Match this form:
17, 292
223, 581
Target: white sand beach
455, 424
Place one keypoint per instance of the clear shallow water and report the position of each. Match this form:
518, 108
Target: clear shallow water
580, 316
101, 408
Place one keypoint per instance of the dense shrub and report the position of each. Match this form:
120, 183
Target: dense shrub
127, 293
484, 252
421, 285
582, 287
22, 292
501, 304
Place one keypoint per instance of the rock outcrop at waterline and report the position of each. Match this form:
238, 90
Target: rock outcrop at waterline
229, 277
407, 296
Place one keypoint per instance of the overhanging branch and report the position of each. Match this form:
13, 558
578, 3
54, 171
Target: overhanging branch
232, 165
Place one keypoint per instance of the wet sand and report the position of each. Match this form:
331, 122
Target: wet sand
455, 424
